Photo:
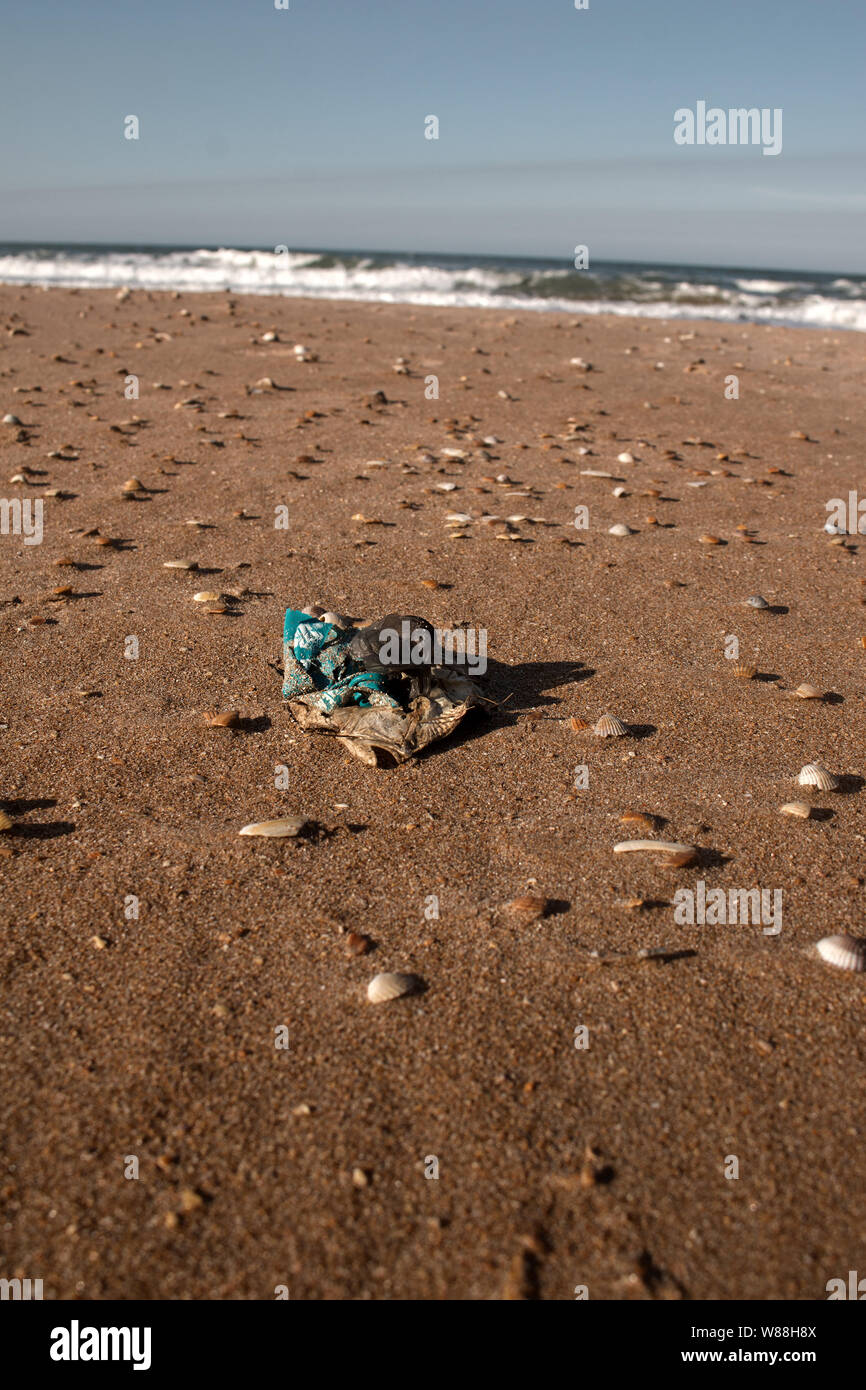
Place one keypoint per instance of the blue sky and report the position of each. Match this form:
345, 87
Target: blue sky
305, 126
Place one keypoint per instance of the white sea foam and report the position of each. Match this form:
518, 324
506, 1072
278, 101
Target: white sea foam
627, 291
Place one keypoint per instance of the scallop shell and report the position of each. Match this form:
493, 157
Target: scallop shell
808, 692
620, 529
802, 809
744, 672
658, 846
577, 723
275, 829
6, 821
383, 988
814, 775
756, 601
608, 726
846, 952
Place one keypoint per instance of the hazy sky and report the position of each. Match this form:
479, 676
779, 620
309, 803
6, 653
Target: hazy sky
305, 126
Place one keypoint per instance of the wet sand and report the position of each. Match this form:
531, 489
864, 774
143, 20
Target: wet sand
304, 1167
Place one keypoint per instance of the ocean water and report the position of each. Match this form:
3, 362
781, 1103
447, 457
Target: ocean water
615, 287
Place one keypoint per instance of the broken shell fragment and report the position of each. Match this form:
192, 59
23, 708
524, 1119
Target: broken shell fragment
815, 775
845, 952
383, 988
205, 596
530, 906
608, 726
275, 829
179, 565
656, 846
801, 809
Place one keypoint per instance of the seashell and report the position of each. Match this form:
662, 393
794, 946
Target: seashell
577, 723
744, 672
814, 775
801, 809
458, 518
275, 829
620, 529
179, 565
845, 952
608, 726
430, 583
227, 719
709, 540
11, 420
270, 338
663, 846
625, 458
756, 601
446, 487
313, 611
335, 619
6, 821
383, 988
218, 608
678, 860
594, 472
133, 485
620, 492
808, 692
205, 596
530, 906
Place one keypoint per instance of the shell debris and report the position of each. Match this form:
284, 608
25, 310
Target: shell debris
391, 985
845, 952
608, 726
816, 775
275, 829
654, 846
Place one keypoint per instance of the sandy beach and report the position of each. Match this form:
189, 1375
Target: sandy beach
603, 1166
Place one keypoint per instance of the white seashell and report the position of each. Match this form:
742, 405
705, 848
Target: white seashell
665, 846
620, 492
453, 453
335, 619
833, 530
179, 565
275, 829
846, 952
625, 458
205, 596
594, 472
447, 487
460, 517
814, 775
383, 988
270, 338
11, 420
620, 529
796, 808
809, 692
608, 726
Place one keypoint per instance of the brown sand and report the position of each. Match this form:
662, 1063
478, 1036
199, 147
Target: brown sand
161, 1044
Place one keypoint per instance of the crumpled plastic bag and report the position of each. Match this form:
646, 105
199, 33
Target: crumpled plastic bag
377, 716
